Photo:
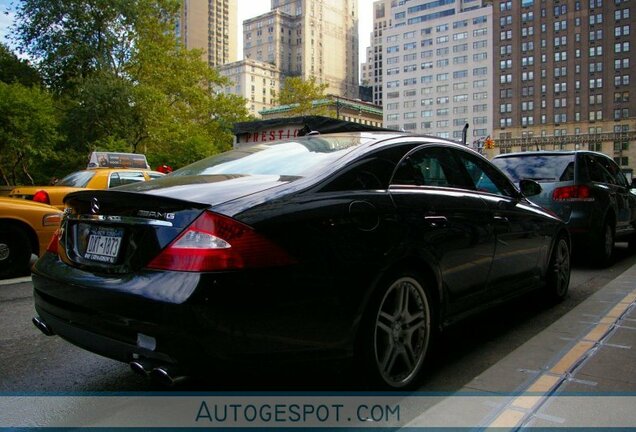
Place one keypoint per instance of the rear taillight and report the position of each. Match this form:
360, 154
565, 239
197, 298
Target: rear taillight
214, 242
573, 193
52, 247
42, 196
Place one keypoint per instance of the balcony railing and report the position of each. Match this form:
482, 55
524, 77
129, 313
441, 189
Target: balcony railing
566, 139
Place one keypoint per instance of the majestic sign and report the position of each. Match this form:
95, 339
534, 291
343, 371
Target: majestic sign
269, 135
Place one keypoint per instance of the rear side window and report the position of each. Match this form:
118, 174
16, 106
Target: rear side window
77, 179
155, 174
124, 178
604, 170
373, 172
541, 168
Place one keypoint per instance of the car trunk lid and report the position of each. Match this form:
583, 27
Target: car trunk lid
120, 232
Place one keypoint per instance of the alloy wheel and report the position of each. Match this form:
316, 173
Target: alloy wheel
402, 332
561, 268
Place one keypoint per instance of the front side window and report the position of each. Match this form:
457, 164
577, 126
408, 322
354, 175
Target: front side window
484, 177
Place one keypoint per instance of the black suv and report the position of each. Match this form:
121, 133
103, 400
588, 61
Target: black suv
586, 189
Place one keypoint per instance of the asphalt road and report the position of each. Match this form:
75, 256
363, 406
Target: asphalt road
33, 363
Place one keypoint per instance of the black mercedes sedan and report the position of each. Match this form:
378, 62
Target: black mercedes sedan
359, 245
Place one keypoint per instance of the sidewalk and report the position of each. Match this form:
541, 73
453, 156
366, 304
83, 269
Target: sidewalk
579, 372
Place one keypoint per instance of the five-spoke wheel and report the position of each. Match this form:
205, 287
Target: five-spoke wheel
400, 331
558, 279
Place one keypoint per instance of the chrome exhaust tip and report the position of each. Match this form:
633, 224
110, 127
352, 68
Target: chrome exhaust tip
42, 326
140, 367
167, 376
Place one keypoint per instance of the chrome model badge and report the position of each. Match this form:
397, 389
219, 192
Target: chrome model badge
94, 206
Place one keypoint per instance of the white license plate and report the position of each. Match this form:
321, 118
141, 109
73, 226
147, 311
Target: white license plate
103, 246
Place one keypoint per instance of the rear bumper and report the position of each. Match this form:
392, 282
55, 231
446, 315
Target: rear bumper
211, 317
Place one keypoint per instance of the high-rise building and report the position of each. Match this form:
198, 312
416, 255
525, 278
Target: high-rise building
210, 25
258, 82
372, 68
563, 77
308, 38
433, 61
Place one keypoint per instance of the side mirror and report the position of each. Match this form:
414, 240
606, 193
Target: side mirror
529, 187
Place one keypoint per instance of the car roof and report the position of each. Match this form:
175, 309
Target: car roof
384, 137
548, 153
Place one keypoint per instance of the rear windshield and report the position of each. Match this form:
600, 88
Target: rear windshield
77, 179
295, 158
541, 168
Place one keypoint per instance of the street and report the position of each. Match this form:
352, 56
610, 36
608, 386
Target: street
33, 363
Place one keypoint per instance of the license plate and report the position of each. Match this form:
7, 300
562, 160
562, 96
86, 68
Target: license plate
103, 245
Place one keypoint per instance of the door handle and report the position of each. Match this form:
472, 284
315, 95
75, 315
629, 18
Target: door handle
501, 219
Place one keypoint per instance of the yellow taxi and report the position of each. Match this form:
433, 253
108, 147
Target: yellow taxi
105, 170
26, 228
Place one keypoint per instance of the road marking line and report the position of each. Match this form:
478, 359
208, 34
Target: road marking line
523, 407
572, 357
544, 384
597, 333
508, 418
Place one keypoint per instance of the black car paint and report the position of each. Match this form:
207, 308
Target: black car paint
343, 243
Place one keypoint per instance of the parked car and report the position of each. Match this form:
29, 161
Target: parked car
361, 244
586, 189
26, 228
97, 178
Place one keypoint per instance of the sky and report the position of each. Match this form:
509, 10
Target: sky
5, 19
248, 9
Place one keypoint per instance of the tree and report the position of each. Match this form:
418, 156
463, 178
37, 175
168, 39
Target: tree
13, 69
71, 39
28, 131
124, 79
301, 94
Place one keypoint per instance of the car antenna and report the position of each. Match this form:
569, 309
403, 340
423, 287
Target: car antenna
465, 134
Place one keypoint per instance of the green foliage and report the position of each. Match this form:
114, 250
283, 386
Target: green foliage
71, 39
301, 95
122, 81
13, 70
28, 131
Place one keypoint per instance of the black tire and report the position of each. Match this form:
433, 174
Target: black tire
604, 245
558, 277
396, 332
15, 252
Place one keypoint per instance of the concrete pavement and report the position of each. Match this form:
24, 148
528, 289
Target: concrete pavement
579, 372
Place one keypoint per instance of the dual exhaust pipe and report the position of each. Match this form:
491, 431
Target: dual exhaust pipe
163, 374
42, 326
